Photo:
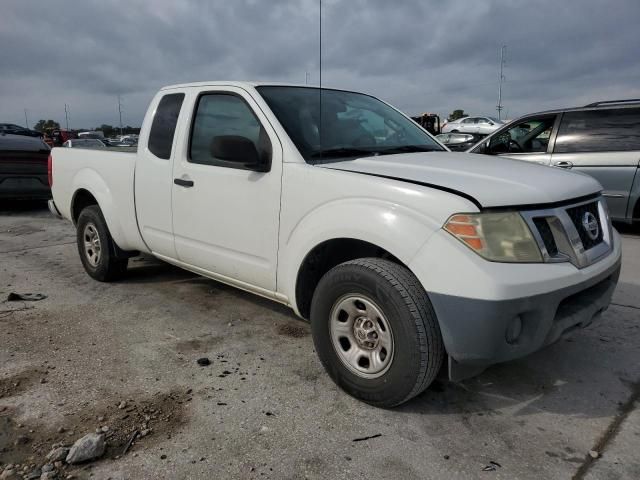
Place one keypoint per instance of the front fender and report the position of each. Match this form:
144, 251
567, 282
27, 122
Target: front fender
399, 230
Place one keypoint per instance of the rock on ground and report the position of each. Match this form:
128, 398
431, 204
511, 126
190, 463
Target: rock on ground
10, 474
58, 454
86, 448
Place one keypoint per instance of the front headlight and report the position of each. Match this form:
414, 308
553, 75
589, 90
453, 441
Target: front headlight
499, 237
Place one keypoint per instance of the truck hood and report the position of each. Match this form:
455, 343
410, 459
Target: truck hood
486, 180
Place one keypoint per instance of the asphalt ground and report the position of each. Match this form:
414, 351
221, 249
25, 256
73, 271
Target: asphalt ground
264, 408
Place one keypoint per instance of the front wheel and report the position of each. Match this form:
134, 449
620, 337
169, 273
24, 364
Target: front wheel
97, 248
375, 331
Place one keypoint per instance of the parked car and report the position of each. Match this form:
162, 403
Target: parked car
84, 143
402, 255
601, 139
458, 142
127, 141
59, 136
480, 125
92, 134
13, 129
23, 168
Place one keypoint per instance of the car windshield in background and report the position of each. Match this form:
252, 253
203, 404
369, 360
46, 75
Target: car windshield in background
348, 125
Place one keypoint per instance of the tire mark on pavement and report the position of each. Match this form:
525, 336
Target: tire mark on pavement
610, 433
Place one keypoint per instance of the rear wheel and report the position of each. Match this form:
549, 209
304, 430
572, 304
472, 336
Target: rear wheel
375, 331
96, 247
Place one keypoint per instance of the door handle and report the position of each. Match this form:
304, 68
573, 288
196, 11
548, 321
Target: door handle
183, 183
566, 165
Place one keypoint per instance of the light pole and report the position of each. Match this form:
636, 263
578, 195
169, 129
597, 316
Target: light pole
500, 80
120, 113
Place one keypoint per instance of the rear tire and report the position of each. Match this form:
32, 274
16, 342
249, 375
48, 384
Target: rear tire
97, 248
375, 331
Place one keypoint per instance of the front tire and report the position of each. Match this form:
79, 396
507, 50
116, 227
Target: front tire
97, 248
375, 331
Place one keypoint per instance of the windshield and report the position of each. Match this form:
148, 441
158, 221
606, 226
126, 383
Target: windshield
353, 124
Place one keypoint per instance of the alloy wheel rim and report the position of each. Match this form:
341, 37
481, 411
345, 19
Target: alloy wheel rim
92, 247
361, 336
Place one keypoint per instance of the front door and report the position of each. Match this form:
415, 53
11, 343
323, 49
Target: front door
226, 216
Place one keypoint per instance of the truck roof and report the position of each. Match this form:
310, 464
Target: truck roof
240, 84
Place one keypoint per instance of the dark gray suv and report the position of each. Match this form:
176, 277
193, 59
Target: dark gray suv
601, 139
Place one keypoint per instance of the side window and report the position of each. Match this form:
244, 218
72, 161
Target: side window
530, 136
611, 130
220, 114
164, 125
468, 120
482, 120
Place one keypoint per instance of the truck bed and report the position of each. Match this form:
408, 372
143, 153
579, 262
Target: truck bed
108, 176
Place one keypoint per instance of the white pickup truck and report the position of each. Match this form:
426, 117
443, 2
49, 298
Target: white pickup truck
401, 254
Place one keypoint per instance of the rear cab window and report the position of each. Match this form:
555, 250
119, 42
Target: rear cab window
164, 123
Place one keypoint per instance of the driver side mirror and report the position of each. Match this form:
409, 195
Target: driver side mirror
241, 150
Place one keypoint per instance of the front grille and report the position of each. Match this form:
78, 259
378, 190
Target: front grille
576, 214
547, 236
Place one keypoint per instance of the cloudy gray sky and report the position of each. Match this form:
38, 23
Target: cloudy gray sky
420, 55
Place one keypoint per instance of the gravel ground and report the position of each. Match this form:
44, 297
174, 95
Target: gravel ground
122, 359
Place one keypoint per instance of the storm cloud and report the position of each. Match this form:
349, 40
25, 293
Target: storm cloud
419, 55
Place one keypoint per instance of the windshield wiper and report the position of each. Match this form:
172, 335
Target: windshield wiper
342, 152
408, 149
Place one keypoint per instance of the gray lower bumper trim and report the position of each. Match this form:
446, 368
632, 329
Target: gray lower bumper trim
474, 331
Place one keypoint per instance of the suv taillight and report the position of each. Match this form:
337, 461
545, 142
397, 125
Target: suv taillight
50, 170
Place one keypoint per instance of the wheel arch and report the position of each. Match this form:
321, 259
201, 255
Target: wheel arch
326, 255
345, 230
81, 199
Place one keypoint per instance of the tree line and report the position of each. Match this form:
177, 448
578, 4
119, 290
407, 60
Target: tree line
107, 130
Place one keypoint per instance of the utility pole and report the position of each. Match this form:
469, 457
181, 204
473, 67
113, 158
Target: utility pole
66, 116
120, 113
306, 78
500, 80
26, 119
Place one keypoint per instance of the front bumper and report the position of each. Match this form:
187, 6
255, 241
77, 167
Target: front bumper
478, 319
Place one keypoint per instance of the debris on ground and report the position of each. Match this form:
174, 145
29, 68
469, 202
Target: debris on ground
25, 297
492, 467
362, 439
58, 454
128, 445
89, 447
204, 361
594, 454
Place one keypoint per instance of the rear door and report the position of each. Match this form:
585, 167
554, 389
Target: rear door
529, 139
226, 216
604, 143
154, 172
